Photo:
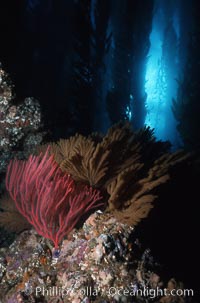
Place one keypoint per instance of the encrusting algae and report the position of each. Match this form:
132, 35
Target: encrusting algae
100, 262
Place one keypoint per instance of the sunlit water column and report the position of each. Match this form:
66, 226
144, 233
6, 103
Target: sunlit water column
154, 117
161, 76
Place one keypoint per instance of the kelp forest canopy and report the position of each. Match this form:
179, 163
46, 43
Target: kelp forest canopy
92, 63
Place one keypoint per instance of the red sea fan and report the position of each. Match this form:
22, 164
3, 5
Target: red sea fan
48, 198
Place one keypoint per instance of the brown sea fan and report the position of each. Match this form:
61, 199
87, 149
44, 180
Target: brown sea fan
127, 166
10, 217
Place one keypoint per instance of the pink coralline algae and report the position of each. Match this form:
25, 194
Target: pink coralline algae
48, 198
101, 262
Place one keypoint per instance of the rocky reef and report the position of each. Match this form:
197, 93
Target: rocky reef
100, 262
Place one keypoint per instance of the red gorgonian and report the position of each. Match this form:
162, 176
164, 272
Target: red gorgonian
48, 198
